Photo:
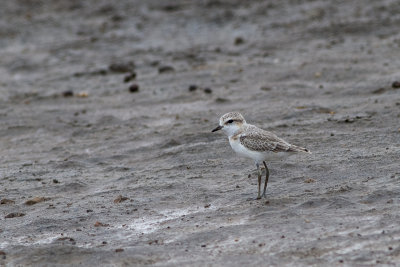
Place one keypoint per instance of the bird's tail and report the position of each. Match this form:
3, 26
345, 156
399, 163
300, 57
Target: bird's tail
294, 148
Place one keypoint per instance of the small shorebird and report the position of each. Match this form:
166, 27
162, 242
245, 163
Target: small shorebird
252, 142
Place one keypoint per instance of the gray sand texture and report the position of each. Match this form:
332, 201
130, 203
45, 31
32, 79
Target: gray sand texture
107, 156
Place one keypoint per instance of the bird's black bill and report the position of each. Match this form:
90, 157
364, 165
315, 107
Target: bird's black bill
217, 129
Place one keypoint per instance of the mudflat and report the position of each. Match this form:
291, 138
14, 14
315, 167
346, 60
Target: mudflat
107, 155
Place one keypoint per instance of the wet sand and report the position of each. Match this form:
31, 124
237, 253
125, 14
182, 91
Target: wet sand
107, 155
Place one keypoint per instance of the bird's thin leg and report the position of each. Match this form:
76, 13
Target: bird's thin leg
259, 180
266, 178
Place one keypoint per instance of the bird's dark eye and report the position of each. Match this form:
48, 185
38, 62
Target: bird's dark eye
230, 121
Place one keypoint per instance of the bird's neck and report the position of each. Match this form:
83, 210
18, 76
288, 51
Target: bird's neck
237, 131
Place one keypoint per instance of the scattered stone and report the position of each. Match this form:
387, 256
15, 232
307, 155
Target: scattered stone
192, 88
396, 85
120, 199
35, 200
131, 76
239, 40
265, 88
89, 211
104, 242
379, 91
6, 201
207, 90
117, 18
68, 93
119, 250
55, 181
94, 72
207, 206
203, 246
134, 88
123, 67
221, 100
99, 224
14, 214
154, 63
82, 94
309, 180
164, 69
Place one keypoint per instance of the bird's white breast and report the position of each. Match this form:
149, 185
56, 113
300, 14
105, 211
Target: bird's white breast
240, 149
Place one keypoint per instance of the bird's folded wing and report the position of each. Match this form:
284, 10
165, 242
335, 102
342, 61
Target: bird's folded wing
264, 141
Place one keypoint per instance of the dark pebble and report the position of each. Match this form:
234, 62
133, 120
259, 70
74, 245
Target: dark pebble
164, 69
119, 250
239, 40
207, 91
192, 88
379, 91
14, 214
134, 88
130, 77
6, 201
68, 93
203, 246
221, 100
122, 67
265, 88
396, 85
55, 181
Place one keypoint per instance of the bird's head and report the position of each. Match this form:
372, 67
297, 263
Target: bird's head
230, 123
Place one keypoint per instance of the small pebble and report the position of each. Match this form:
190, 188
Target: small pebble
6, 201
134, 88
68, 93
207, 91
130, 77
99, 224
164, 69
120, 199
265, 88
14, 214
379, 91
396, 85
192, 88
119, 250
122, 67
239, 41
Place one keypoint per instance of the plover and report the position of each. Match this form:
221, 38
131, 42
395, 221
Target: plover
252, 142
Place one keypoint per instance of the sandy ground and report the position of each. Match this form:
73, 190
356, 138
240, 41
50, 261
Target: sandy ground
95, 173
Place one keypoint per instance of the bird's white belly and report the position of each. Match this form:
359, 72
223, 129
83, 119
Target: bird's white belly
243, 151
